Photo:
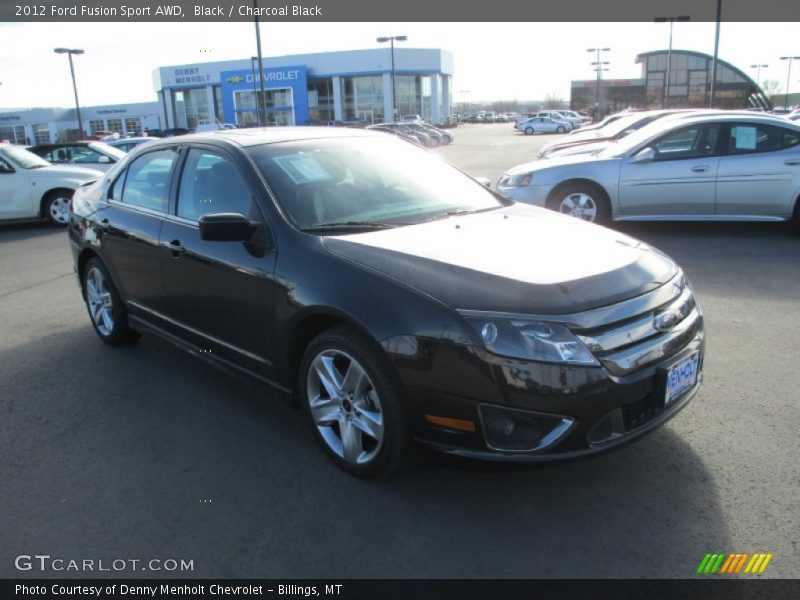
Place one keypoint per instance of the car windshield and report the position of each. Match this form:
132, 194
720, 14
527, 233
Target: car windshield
365, 183
107, 149
23, 158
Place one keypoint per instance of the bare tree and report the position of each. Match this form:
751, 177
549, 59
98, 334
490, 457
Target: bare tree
553, 101
771, 87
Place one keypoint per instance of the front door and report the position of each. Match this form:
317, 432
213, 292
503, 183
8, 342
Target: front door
220, 293
681, 180
16, 200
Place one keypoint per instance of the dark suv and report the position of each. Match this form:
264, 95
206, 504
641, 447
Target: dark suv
398, 298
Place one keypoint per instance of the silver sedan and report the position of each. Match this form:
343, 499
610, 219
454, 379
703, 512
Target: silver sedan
717, 167
543, 125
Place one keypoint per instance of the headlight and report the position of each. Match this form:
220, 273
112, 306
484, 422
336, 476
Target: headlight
519, 180
531, 340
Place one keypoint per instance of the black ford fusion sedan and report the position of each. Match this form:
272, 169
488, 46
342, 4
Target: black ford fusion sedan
400, 299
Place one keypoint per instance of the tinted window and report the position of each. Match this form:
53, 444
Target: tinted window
751, 138
147, 182
692, 142
210, 183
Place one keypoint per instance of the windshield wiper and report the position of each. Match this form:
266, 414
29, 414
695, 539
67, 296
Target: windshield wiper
462, 211
354, 225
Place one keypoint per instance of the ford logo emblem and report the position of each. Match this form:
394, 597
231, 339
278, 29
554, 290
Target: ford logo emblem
665, 321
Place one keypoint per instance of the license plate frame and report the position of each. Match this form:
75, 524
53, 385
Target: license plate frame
680, 377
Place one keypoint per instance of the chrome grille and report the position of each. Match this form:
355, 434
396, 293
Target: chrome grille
646, 329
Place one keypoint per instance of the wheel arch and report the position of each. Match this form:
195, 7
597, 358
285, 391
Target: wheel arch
581, 181
308, 326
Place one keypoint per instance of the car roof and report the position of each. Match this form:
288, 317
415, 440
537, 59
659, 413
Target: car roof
63, 144
739, 116
267, 135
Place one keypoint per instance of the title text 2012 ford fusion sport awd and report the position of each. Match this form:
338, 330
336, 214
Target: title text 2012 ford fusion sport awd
399, 298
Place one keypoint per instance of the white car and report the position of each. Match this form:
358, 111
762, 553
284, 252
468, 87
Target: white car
92, 155
32, 188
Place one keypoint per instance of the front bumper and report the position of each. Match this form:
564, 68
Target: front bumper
456, 381
535, 195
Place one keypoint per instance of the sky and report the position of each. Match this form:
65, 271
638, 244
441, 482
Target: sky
493, 61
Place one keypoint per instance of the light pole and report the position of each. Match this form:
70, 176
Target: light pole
671, 21
69, 52
253, 60
788, 79
263, 102
464, 99
758, 75
599, 70
392, 39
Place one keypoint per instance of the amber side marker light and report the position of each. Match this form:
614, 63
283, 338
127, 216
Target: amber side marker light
460, 424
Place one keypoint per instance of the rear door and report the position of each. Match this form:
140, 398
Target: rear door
681, 180
760, 173
221, 294
131, 221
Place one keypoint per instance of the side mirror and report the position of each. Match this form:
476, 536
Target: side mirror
226, 227
103, 160
484, 181
645, 155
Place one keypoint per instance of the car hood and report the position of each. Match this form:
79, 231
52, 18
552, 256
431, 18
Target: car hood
59, 172
555, 161
574, 149
519, 259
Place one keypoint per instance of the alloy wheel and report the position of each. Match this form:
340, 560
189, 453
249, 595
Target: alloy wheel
100, 301
345, 406
579, 205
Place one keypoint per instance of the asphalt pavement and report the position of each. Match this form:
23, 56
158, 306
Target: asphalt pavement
144, 452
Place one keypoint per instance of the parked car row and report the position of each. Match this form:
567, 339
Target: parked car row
418, 132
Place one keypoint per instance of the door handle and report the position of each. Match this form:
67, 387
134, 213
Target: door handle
700, 169
174, 247
792, 161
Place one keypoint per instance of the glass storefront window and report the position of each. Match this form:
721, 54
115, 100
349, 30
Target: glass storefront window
198, 112
15, 135
41, 133
133, 124
115, 125
363, 99
96, 126
320, 100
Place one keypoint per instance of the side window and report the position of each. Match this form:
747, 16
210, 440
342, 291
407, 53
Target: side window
84, 154
58, 155
210, 183
790, 138
147, 182
692, 142
751, 138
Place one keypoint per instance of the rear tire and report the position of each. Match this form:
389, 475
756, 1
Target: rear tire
106, 310
355, 404
560, 129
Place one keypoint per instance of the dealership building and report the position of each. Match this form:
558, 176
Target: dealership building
678, 79
299, 89
307, 88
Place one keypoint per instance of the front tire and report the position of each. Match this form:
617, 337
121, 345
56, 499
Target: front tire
529, 131
56, 207
355, 404
106, 309
581, 201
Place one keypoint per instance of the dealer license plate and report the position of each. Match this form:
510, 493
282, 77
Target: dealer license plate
681, 377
